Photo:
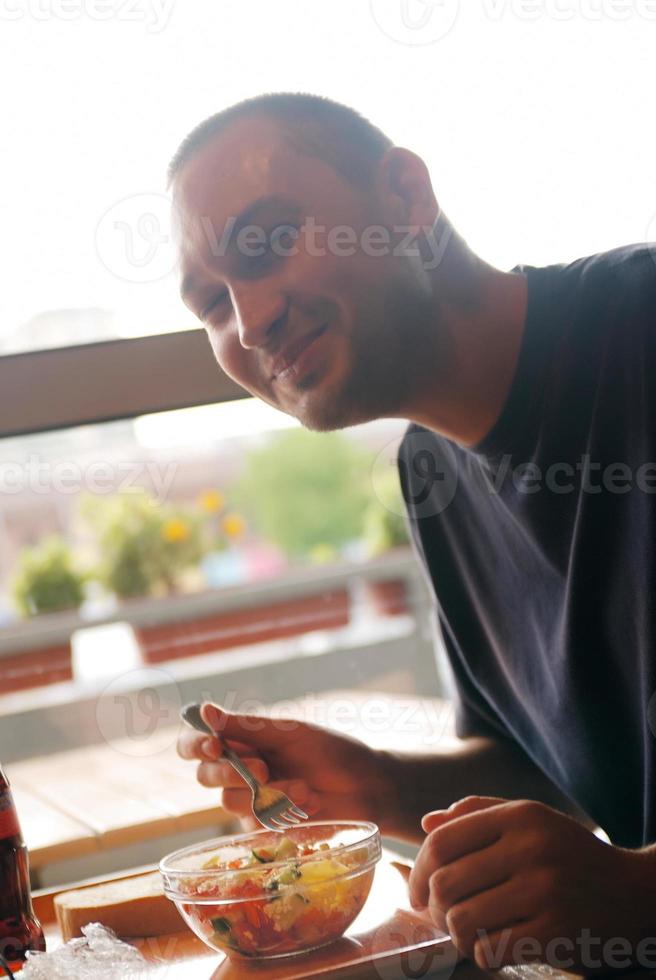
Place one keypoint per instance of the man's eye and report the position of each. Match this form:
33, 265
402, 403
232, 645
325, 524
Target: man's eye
216, 301
283, 238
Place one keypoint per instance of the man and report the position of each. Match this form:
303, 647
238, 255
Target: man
333, 287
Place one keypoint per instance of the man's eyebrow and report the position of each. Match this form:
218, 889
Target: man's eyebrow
245, 218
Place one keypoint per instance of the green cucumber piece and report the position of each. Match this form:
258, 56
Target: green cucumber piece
289, 875
286, 849
220, 926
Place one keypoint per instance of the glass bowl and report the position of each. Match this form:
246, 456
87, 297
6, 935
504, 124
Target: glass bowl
267, 894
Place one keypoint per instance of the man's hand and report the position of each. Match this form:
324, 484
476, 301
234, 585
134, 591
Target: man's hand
514, 881
330, 776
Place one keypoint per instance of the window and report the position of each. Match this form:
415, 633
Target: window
151, 520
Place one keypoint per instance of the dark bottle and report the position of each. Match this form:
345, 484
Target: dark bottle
19, 929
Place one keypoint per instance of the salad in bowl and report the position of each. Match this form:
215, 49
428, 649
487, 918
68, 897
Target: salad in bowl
266, 894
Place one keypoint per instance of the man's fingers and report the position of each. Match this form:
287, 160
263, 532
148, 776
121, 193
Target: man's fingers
300, 793
418, 886
241, 748
194, 745
239, 801
255, 730
464, 835
458, 837
498, 908
222, 773
470, 804
475, 873
191, 745
492, 950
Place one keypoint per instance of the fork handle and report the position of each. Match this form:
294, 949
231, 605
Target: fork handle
242, 769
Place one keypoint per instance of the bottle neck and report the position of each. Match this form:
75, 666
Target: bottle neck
9, 826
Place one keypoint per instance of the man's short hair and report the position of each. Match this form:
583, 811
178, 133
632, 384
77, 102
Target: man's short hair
314, 124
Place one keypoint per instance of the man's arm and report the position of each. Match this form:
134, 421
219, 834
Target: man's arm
478, 766
335, 777
515, 881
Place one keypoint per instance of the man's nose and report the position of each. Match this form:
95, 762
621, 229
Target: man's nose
258, 314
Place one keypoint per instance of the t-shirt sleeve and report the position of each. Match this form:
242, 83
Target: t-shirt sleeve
473, 715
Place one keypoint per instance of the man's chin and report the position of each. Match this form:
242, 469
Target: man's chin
322, 406
316, 410
328, 415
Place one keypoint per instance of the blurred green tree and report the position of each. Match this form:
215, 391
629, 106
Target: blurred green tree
307, 491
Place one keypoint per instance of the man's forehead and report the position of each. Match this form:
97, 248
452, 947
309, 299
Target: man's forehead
250, 159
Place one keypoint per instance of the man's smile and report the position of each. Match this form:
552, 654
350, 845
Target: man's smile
295, 359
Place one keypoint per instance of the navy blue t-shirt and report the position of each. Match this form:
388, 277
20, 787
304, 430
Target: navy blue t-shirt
540, 542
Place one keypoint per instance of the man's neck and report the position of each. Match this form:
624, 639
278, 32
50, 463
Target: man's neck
479, 352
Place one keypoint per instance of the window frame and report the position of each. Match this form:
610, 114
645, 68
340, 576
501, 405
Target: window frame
41, 390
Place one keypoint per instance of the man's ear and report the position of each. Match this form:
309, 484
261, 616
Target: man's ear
404, 182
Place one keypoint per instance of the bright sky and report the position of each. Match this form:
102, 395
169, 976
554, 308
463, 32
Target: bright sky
536, 118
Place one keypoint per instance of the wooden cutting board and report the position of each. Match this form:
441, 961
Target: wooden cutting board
388, 940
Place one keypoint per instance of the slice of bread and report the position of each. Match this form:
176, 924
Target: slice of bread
133, 908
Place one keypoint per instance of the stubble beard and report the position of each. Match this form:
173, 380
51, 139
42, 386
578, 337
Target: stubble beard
389, 356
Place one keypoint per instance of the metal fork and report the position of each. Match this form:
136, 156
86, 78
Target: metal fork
273, 809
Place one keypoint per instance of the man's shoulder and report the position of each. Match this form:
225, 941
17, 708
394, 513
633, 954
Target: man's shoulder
628, 269
428, 465
416, 435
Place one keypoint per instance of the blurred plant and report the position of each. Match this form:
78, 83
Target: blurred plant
233, 526
47, 579
384, 524
307, 491
221, 527
145, 546
211, 501
322, 554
